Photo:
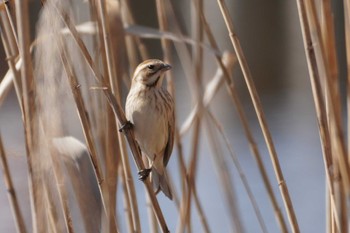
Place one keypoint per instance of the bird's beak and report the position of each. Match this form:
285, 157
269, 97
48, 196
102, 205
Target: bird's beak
166, 67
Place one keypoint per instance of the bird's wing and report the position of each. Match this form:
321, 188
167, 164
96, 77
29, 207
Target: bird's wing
171, 135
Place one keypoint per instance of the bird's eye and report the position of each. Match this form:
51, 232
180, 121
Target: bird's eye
150, 67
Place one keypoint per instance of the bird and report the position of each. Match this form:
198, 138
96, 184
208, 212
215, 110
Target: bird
149, 109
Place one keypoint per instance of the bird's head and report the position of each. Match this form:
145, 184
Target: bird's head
149, 72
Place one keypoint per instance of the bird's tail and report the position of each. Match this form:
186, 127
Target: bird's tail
160, 183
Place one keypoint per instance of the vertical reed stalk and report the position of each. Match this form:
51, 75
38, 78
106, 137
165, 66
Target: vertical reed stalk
197, 54
202, 217
224, 177
166, 47
331, 61
111, 81
240, 172
334, 111
52, 215
319, 104
261, 116
62, 191
347, 47
247, 129
74, 84
11, 192
137, 42
27, 81
127, 201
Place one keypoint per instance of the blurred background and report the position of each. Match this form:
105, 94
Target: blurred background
270, 35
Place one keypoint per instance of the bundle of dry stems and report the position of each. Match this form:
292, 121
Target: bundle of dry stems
86, 65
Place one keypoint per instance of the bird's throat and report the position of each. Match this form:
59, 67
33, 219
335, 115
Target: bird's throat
154, 84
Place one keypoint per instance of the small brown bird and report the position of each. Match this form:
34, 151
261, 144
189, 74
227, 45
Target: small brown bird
150, 108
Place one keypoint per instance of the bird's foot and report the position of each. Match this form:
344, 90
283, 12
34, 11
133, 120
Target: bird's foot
144, 173
127, 126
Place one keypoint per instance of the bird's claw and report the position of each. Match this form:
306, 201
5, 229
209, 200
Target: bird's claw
128, 125
144, 173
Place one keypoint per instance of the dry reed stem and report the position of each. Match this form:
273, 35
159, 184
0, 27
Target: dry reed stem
11, 50
253, 146
202, 217
197, 49
197, 54
86, 125
112, 161
261, 117
319, 104
163, 25
152, 220
11, 192
240, 172
210, 91
130, 187
107, 138
7, 82
347, 47
337, 138
328, 38
82, 180
183, 52
11, 31
62, 191
113, 78
52, 215
185, 207
224, 176
192, 170
330, 57
132, 47
74, 85
229, 62
5, 86
137, 42
119, 113
186, 61
166, 47
126, 200
28, 103
110, 78
166, 44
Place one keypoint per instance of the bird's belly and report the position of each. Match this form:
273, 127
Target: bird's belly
151, 130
